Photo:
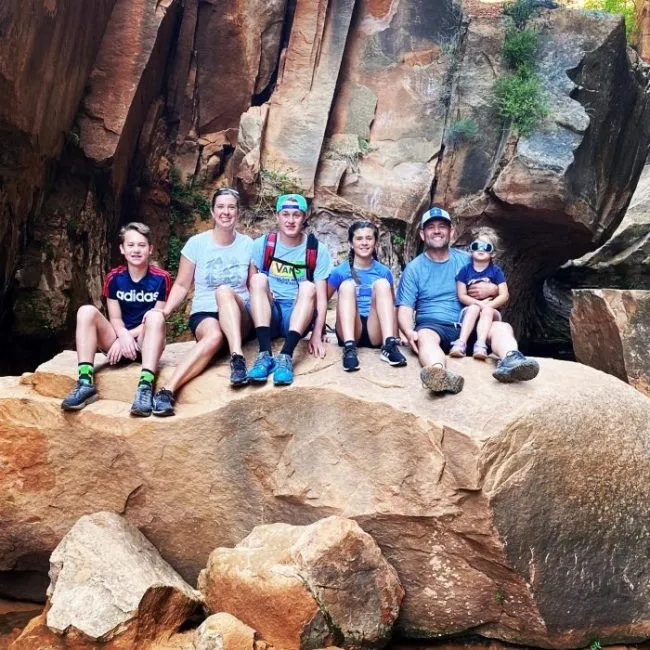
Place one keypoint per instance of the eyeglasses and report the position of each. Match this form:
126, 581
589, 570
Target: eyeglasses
478, 245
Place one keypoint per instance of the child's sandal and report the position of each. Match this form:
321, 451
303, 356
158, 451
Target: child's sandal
458, 349
480, 351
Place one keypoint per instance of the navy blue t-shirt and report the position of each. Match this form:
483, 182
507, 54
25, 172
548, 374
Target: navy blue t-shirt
491, 273
136, 298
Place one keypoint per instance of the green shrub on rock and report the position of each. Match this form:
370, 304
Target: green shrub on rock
519, 98
520, 47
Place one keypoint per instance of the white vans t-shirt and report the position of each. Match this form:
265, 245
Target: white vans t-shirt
217, 265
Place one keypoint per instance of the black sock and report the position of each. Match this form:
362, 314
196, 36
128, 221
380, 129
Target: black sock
264, 338
348, 344
86, 372
290, 342
146, 378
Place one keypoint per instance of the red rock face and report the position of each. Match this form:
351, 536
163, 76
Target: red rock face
300, 106
237, 48
127, 76
46, 54
610, 330
392, 97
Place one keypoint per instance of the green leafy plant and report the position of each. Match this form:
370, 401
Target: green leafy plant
594, 644
627, 8
177, 324
520, 11
520, 47
464, 130
173, 256
519, 98
397, 239
187, 200
365, 147
518, 95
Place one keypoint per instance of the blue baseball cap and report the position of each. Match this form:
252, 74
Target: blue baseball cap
434, 213
298, 198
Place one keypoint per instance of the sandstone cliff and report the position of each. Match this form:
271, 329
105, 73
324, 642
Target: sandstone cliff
355, 102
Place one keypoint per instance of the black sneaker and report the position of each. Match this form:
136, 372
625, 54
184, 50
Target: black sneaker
81, 395
143, 401
350, 358
515, 367
390, 352
163, 403
238, 372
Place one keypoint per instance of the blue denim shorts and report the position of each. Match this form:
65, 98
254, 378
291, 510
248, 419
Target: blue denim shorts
448, 332
281, 311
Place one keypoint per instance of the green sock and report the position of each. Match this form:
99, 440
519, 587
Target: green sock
86, 373
146, 377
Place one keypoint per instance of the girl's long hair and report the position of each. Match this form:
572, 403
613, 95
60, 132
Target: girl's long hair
358, 225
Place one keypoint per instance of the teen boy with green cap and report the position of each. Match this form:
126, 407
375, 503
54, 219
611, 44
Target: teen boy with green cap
285, 301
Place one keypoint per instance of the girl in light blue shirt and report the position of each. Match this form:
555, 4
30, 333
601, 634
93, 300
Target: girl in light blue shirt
365, 311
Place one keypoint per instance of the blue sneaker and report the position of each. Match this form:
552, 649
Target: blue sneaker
515, 367
81, 395
283, 373
262, 368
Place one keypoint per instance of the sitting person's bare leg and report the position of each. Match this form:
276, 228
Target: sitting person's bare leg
235, 322
93, 332
513, 365
152, 343
209, 338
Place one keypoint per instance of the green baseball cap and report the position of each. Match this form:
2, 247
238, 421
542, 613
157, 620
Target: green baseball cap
298, 198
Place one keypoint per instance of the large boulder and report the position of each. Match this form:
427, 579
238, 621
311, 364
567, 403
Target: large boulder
610, 329
514, 511
304, 587
110, 588
223, 631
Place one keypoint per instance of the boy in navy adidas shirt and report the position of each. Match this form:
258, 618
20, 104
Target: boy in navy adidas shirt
135, 295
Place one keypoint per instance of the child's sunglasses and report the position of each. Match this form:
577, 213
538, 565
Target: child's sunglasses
477, 245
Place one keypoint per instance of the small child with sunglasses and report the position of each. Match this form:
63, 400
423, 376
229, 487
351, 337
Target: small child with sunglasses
479, 314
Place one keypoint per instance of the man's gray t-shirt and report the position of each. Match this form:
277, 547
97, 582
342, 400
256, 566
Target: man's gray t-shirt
217, 265
429, 288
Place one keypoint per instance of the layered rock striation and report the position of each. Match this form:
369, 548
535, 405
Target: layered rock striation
512, 511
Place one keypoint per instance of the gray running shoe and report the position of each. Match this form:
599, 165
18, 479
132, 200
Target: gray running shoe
163, 403
143, 401
440, 380
515, 367
81, 395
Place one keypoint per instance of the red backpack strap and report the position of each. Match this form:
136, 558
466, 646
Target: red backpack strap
269, 250
311, 256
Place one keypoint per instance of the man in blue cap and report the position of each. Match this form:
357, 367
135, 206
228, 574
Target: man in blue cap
288, 291
429, 310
